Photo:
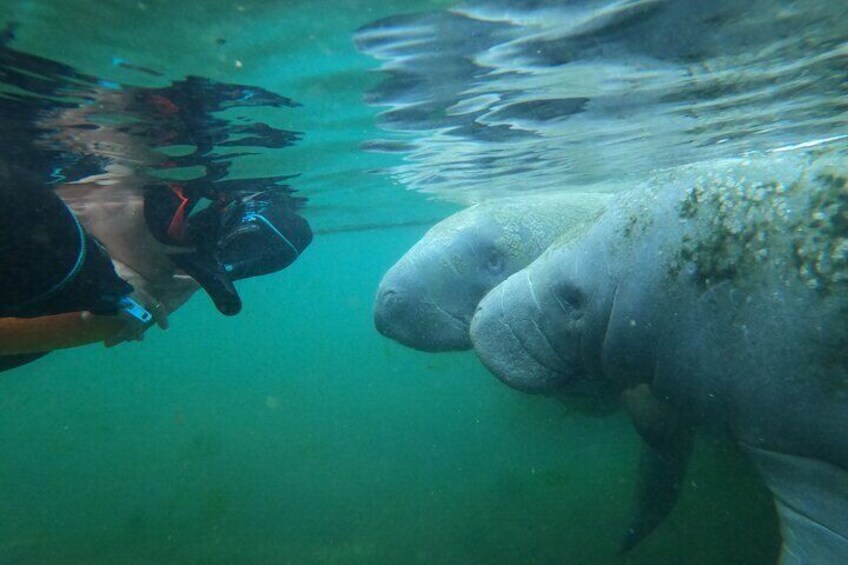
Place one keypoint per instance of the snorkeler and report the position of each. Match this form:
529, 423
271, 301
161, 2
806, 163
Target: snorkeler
102, 258
95, 245
81, 269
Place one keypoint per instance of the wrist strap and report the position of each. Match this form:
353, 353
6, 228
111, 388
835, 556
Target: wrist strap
132, 310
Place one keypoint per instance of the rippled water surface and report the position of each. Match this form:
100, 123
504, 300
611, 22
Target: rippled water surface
294, 433
588, 94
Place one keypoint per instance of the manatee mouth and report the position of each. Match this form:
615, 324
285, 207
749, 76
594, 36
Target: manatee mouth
508, 353
419, 324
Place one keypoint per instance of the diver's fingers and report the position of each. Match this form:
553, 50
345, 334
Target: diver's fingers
122, 336
132, 330
113, 340
160, 315
88, 317
156, 308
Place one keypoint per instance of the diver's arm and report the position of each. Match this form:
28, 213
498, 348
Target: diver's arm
72, 329
59, 331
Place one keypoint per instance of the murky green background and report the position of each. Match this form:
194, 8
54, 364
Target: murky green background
294, 433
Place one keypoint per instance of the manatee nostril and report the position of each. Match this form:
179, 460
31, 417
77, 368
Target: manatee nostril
389, 297
390, 302
386, 311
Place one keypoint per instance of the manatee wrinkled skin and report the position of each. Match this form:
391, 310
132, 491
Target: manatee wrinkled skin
426, 300
723, 287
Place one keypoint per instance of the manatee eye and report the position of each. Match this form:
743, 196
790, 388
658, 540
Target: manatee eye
570, 298
494, 262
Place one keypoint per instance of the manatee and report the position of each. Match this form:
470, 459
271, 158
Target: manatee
426, 300
720, 292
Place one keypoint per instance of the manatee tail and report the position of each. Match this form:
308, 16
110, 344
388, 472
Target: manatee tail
662, 465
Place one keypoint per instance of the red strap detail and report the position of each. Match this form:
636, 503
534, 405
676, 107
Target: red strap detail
163, 104
175, 228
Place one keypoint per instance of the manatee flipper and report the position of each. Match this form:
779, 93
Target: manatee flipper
811, 497
662, 465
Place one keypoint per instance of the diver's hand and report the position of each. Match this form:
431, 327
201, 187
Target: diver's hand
153, 305
134, 327
160, 298
136, 321
130, 329
162, 294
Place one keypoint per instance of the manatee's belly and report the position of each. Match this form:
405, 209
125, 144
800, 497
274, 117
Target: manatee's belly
767, 362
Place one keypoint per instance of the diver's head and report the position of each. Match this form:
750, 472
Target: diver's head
235, 237
261, 234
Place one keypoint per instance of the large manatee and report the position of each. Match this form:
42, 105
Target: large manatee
719, 294
426, 300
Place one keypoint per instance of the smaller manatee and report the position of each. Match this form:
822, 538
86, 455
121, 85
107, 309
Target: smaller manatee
427, 299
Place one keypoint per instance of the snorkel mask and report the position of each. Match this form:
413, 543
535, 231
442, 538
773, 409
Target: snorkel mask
234, 237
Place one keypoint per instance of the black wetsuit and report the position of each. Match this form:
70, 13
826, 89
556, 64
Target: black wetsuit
49, 264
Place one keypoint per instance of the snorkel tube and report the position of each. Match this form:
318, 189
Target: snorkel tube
238, 235
210, 274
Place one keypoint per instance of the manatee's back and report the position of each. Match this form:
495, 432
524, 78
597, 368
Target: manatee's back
756, 338
530, 224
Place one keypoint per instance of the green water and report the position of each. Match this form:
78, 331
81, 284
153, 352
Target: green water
294, 433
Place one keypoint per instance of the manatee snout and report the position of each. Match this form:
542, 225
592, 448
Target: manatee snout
389, 302
391, 309
404, 312
510, 343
